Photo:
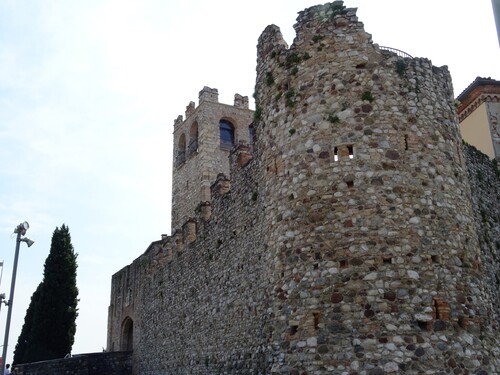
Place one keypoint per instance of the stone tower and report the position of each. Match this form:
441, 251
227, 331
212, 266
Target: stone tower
376, 263
202, 143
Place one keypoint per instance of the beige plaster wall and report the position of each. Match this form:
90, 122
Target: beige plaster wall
475, 130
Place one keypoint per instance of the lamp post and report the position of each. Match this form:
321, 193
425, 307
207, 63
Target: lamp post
2, 296
21, 231
2, 300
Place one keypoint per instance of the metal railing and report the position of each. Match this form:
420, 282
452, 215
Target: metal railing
397, 52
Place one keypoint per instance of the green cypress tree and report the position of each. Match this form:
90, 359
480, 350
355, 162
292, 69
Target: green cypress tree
25, 336
53, 324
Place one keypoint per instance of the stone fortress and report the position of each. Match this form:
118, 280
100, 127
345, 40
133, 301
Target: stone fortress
343, 227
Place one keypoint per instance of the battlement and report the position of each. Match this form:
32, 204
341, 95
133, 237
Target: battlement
241, 101
210, 95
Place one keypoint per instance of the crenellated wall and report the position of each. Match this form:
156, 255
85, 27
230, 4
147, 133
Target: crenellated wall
353, 237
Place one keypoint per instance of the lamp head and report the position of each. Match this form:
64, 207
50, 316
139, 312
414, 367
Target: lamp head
28, 241
22, 228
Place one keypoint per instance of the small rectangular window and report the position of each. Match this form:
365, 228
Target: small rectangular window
343, 152
317, 319
350, 148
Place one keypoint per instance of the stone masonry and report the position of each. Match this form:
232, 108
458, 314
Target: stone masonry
354, 234
113, 363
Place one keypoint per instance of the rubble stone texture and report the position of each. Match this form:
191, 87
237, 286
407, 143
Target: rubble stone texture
351, 243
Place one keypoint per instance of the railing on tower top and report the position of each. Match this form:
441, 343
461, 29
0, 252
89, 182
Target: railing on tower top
397, 52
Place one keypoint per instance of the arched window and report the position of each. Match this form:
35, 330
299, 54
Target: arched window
226, 134
193, 139
181, 150
127, 341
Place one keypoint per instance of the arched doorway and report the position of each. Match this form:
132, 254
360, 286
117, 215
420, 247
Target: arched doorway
127, 335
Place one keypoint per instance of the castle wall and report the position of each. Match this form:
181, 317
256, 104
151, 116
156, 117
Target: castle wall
484, 177
115, 363
124, 322
369, 216
125, 287
352, 242
206, 310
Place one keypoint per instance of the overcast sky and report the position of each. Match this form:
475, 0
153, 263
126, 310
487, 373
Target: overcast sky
89, 91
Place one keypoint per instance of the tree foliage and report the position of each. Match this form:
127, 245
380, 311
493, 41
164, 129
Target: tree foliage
49, 326
24, 337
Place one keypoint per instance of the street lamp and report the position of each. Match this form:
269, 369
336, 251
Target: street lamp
2, 296
21, 231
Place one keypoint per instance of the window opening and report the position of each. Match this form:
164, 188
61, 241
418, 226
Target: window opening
226, 133
350, 148
317, 318
343, 151
181, 150
193, 139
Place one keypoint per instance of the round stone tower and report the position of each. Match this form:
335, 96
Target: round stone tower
370, 231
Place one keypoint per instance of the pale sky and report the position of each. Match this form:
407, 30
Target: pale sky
89, 91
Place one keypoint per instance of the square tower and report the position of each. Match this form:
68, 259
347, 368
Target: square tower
202, 143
